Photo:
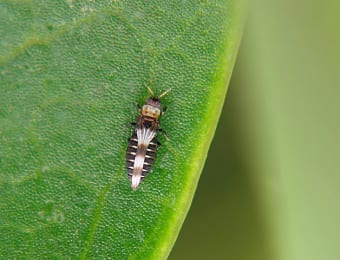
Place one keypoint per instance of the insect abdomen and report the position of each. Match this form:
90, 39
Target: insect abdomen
140, 152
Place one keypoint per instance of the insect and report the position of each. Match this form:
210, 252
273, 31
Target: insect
143, 144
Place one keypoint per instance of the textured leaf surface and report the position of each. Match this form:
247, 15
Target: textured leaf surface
71, 75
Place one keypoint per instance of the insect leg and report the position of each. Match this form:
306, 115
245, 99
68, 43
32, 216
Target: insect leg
132, 124
164, 110
158, 144
164, 133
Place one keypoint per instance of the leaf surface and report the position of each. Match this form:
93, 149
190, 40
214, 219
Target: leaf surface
71, 75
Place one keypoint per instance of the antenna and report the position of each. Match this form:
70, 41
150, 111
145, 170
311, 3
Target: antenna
150, 90
164, 93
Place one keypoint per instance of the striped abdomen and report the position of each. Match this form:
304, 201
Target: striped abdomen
140, 157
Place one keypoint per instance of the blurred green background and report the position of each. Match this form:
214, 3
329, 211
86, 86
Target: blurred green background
271, 184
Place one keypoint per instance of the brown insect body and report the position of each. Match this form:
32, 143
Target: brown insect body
143, 144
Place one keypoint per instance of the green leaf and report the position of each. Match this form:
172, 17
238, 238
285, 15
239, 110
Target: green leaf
71, 75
